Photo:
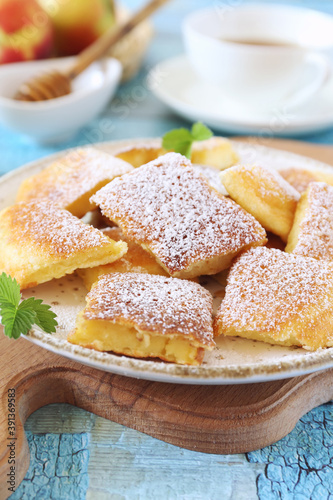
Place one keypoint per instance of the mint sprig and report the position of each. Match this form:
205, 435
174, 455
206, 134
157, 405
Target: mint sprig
17, 317
181, 140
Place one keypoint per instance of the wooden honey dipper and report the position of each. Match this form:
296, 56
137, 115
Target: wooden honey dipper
56, 84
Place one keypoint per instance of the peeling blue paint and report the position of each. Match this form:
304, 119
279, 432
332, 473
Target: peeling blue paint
299, 466
58, 468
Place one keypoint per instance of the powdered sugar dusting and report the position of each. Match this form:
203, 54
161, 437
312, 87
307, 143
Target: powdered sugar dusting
210, 143
236, 360
39, 224
153, 303
267, 288
315, 238
299, 178
212, 175
74, 175
268, 181
169, 207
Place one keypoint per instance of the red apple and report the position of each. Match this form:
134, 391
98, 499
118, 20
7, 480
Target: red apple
78, 23
25, 31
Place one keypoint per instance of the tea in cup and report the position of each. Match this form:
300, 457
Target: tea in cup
261, 55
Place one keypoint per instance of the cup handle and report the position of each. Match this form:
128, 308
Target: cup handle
322, 68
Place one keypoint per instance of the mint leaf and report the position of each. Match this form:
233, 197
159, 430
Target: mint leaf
185, 149
18, 318
9, 289
180, 140
200, 132
45, 318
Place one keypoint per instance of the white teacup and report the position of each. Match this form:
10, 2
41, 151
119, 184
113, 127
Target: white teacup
261, 55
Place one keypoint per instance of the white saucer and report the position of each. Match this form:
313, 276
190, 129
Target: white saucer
174, 82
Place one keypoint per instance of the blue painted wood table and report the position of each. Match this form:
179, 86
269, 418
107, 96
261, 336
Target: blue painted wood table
77, 455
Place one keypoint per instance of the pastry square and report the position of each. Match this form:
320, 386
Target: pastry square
143, 315
273, 241
171, 211
216, 152
312, 232
264, 194
40, 241
136, 260
70, 181
300, 178
141, 153
278, 298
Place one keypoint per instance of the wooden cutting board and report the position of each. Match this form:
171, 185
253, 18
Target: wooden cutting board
212, 419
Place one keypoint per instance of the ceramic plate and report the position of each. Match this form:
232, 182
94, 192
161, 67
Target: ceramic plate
234, 360
175, 83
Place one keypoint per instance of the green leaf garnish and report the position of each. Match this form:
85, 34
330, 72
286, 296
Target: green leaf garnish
45, 318
9, 290
177, 139
18, 317
180, 140
15, 320
200, 132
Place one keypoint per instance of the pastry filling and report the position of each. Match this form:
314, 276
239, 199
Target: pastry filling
103, 335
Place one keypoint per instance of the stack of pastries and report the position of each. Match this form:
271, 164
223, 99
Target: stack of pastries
167, 224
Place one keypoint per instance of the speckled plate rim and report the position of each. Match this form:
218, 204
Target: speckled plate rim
181, 374
167, 372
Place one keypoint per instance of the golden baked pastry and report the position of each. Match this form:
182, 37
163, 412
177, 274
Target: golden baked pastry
141, 153
278, 298
136, 260
142, 315
312, 232
216, 152
212, 175
171, 211
264, 194
273, 241
70, 181
40, 241
300, 178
